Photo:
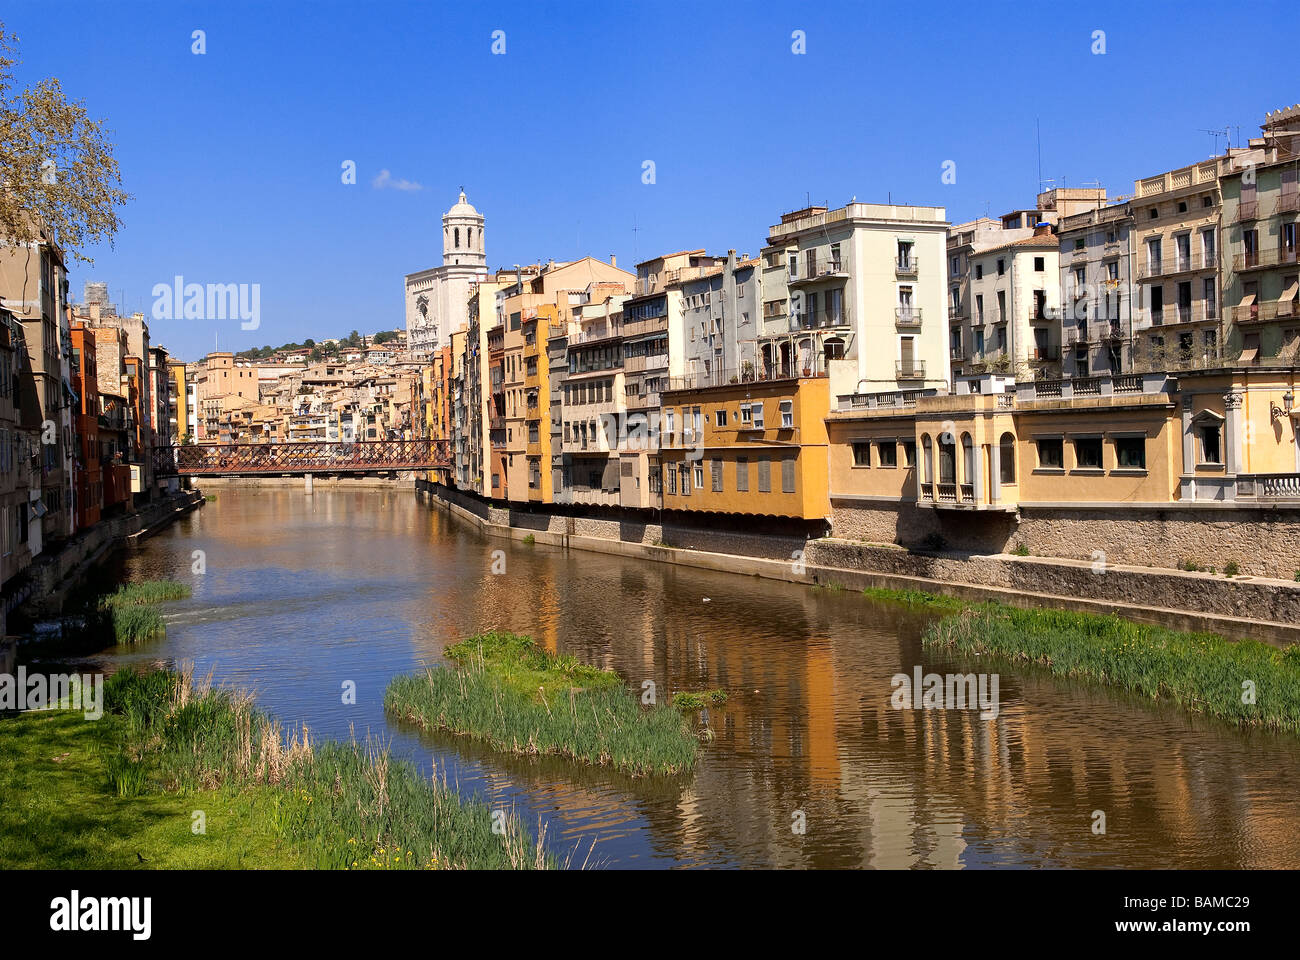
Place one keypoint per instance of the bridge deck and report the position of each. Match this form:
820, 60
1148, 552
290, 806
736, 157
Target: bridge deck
309, 456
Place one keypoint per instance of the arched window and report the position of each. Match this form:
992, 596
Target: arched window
834, 348
927, 451
1007, 454
458, 238
967, 459
469, 237
947, 459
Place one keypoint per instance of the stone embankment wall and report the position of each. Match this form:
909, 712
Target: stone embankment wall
52, 575
1262, 541
1247, 606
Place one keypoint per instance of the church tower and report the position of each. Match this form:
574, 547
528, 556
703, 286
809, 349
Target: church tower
462, 235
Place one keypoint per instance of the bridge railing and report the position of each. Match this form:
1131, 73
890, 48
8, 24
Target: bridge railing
308, 456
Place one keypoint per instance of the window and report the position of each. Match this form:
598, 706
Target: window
764, 475
1039, 264
1051, 454
672, 479
1002, 266
716, 470
927, 449
1007, 458
787, 475
742, 474
887, 453
1211, 299
1131, 453
979, 271
861, 453
1211, 450
685, 471
1079, 244
720, 418
745, 415
756, 412
699, 476
787, 414
1087, 453
909, 453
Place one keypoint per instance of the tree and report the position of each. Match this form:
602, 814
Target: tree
59, 179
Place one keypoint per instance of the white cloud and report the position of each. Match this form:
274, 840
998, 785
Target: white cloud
385, 181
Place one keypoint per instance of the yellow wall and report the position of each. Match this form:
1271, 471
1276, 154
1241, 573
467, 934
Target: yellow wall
805, 442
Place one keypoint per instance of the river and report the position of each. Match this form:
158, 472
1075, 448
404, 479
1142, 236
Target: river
303, 594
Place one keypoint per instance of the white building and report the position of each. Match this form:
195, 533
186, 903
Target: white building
436, 298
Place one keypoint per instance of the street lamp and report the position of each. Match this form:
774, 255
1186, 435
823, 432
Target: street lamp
1288, 401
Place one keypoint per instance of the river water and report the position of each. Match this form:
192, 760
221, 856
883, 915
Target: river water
302, 594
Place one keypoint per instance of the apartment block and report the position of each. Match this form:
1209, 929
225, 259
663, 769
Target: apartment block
1261, 266
858, 293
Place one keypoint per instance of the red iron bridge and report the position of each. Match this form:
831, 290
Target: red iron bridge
302, 457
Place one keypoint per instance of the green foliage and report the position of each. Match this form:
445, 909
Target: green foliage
339, 806
1021, 550
130, 612
1203, 672
530, 539
1231, 569
683, 700
505, 691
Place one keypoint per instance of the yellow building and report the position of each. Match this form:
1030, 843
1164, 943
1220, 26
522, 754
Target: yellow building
1111, 465
755, 448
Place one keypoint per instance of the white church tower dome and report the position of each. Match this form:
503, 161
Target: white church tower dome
462, 235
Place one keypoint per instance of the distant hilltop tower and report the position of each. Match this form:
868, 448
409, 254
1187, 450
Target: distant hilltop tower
462, 235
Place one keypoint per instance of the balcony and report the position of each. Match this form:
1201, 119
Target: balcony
1247, 210
635, 328
887, 400
827, 318
1264, 259
909, 369
1287, 203
1046, 354
750, 373
1101, 386
818, 270
905, 266
1266, 312
908, 317
1166, 266
957, 353
1268, 486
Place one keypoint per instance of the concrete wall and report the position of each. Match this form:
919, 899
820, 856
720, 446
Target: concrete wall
1263, 541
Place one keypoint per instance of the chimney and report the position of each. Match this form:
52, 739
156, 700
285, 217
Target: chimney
1042, 229
613, 260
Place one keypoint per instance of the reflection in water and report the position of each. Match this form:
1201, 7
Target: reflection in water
302, 594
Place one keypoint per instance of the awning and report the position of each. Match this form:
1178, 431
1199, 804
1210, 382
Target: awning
1291, 291
1248, 300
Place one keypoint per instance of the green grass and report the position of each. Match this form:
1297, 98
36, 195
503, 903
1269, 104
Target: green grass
506, 692
130, 609
916, 599
1202, 672
684, 700
120, 793
530, 539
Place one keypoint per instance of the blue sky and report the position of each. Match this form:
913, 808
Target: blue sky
234, 157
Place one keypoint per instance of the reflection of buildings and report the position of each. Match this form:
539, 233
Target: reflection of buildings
808, 727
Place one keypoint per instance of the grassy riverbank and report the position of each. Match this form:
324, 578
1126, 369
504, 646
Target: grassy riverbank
514, 696
121, 792
131, 608
1244, 682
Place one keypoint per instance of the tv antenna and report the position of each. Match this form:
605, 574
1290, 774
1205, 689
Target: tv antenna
1225, 132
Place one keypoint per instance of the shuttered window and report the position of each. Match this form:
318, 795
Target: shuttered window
717, 476
787, 475
742, 474
764, 475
